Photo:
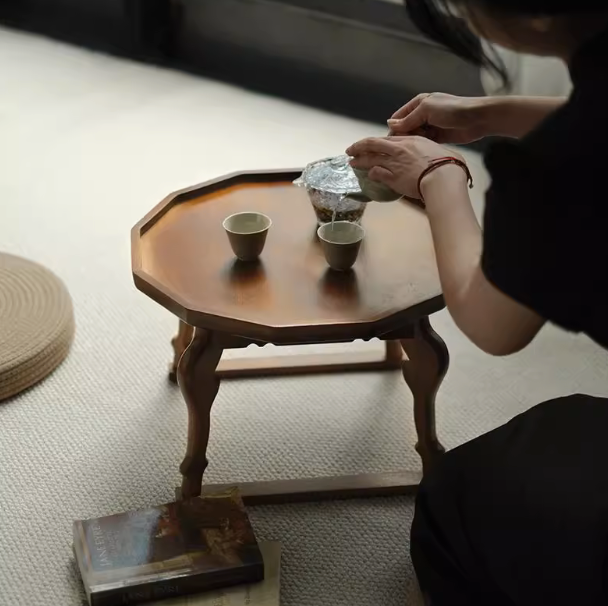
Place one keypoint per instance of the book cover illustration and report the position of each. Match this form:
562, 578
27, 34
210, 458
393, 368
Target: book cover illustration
265, 593
170, 549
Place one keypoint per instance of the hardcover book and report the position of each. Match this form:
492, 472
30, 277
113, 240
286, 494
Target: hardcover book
171, 550
266, 593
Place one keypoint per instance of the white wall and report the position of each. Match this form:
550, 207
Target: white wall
531, 75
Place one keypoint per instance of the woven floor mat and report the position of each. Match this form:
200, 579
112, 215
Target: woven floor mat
36, 324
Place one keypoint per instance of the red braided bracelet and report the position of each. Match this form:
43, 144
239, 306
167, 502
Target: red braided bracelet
436, 163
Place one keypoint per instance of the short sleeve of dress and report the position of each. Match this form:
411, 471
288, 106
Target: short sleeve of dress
542, 244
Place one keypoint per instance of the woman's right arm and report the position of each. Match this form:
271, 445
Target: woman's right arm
516, 116
450, 119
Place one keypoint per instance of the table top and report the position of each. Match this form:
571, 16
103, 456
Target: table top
182, 259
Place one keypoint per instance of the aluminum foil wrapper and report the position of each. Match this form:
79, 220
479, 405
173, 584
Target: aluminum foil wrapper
332, 184
332, 175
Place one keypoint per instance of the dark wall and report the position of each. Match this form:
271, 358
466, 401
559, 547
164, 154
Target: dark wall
362, 57
126, 27
358, 57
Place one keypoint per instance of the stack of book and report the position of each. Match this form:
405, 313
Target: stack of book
198, 552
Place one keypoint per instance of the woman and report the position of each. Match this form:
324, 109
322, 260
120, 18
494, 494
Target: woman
518, 516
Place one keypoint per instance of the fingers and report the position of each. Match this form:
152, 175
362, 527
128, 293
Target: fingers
410, 118
430, 132
381, 152
382, 175
372, 145
411, 123
409, 107
377, 172
366, 161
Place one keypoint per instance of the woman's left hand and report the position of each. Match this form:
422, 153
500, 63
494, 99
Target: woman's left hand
397, 161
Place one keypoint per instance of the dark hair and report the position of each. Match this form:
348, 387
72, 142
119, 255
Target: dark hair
438, 20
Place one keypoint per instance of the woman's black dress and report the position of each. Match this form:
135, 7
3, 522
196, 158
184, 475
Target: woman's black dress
519, 516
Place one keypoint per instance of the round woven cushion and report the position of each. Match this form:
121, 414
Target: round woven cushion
36, 324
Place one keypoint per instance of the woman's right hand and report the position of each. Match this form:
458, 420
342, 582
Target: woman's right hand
442, 118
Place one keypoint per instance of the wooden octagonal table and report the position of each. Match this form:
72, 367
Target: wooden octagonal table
182, 259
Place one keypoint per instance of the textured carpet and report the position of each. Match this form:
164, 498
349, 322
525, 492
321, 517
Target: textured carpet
89, 144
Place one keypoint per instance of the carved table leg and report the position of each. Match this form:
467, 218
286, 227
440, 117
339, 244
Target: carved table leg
199, 385
179, 342
426, 366
394, 353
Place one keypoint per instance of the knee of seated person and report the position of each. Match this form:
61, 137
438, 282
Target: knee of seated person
453, 471
440, 481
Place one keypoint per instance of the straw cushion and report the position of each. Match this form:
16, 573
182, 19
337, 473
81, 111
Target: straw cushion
36, 324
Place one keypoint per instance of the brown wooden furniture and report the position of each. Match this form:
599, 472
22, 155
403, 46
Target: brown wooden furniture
182, 259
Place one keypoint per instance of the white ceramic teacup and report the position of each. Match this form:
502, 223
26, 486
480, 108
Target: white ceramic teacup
247, 234
341, 242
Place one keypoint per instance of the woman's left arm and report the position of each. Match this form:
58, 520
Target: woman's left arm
496, 323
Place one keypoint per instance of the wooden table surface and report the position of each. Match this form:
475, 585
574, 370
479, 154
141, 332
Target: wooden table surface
182, 259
